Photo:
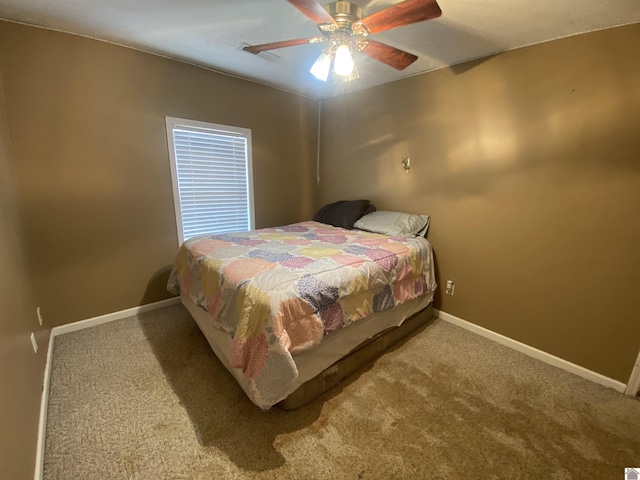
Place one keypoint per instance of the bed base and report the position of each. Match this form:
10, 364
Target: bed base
337, 356
363, 354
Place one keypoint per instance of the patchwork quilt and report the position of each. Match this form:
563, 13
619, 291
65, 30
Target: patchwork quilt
279, 291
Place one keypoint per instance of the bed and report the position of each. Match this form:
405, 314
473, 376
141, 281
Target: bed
281, 307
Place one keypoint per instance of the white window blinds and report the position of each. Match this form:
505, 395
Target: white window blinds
211, 171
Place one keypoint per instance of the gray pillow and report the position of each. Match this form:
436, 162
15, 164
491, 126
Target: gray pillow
395, 224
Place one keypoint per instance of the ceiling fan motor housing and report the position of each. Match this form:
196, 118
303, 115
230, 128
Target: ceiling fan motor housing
344, 13
347, 30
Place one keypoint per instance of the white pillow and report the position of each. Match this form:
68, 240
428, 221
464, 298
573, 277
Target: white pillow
394, 224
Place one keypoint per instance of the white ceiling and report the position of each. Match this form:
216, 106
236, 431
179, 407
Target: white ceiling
212, 33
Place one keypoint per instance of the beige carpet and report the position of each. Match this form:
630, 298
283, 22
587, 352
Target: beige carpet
145, 398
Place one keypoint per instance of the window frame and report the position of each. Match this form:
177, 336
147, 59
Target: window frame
171, 124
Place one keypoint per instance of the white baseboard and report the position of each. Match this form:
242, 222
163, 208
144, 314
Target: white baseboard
73, 327
633, 387
110, 317
42, 424
533, 352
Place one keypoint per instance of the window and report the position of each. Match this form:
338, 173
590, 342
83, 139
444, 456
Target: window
211, 176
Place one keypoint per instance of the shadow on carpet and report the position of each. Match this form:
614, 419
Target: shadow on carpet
222, 415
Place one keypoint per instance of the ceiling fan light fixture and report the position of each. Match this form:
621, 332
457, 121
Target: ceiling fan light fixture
320, 69
343, 64
348, 78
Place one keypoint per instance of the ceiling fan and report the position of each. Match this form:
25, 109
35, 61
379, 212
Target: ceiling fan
345, 31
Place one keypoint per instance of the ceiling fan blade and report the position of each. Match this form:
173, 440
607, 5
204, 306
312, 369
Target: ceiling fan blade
403, 13
394, 57
313, 9
255, 49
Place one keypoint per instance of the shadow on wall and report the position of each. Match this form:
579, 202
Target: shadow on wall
440, 139
156, 288
221, 414
465, 41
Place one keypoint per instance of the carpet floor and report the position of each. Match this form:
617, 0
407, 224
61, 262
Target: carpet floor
145, 398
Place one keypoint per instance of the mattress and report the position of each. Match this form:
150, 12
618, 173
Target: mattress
279, 293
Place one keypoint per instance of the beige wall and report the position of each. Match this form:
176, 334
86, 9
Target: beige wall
529, 164
87, 121
21, 370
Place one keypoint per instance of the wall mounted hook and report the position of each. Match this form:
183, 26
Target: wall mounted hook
406, 164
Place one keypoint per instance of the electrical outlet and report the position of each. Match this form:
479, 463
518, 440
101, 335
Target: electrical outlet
34, 344
39, 315
450, 288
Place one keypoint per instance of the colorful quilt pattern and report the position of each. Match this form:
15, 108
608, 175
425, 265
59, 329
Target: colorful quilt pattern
279, 291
